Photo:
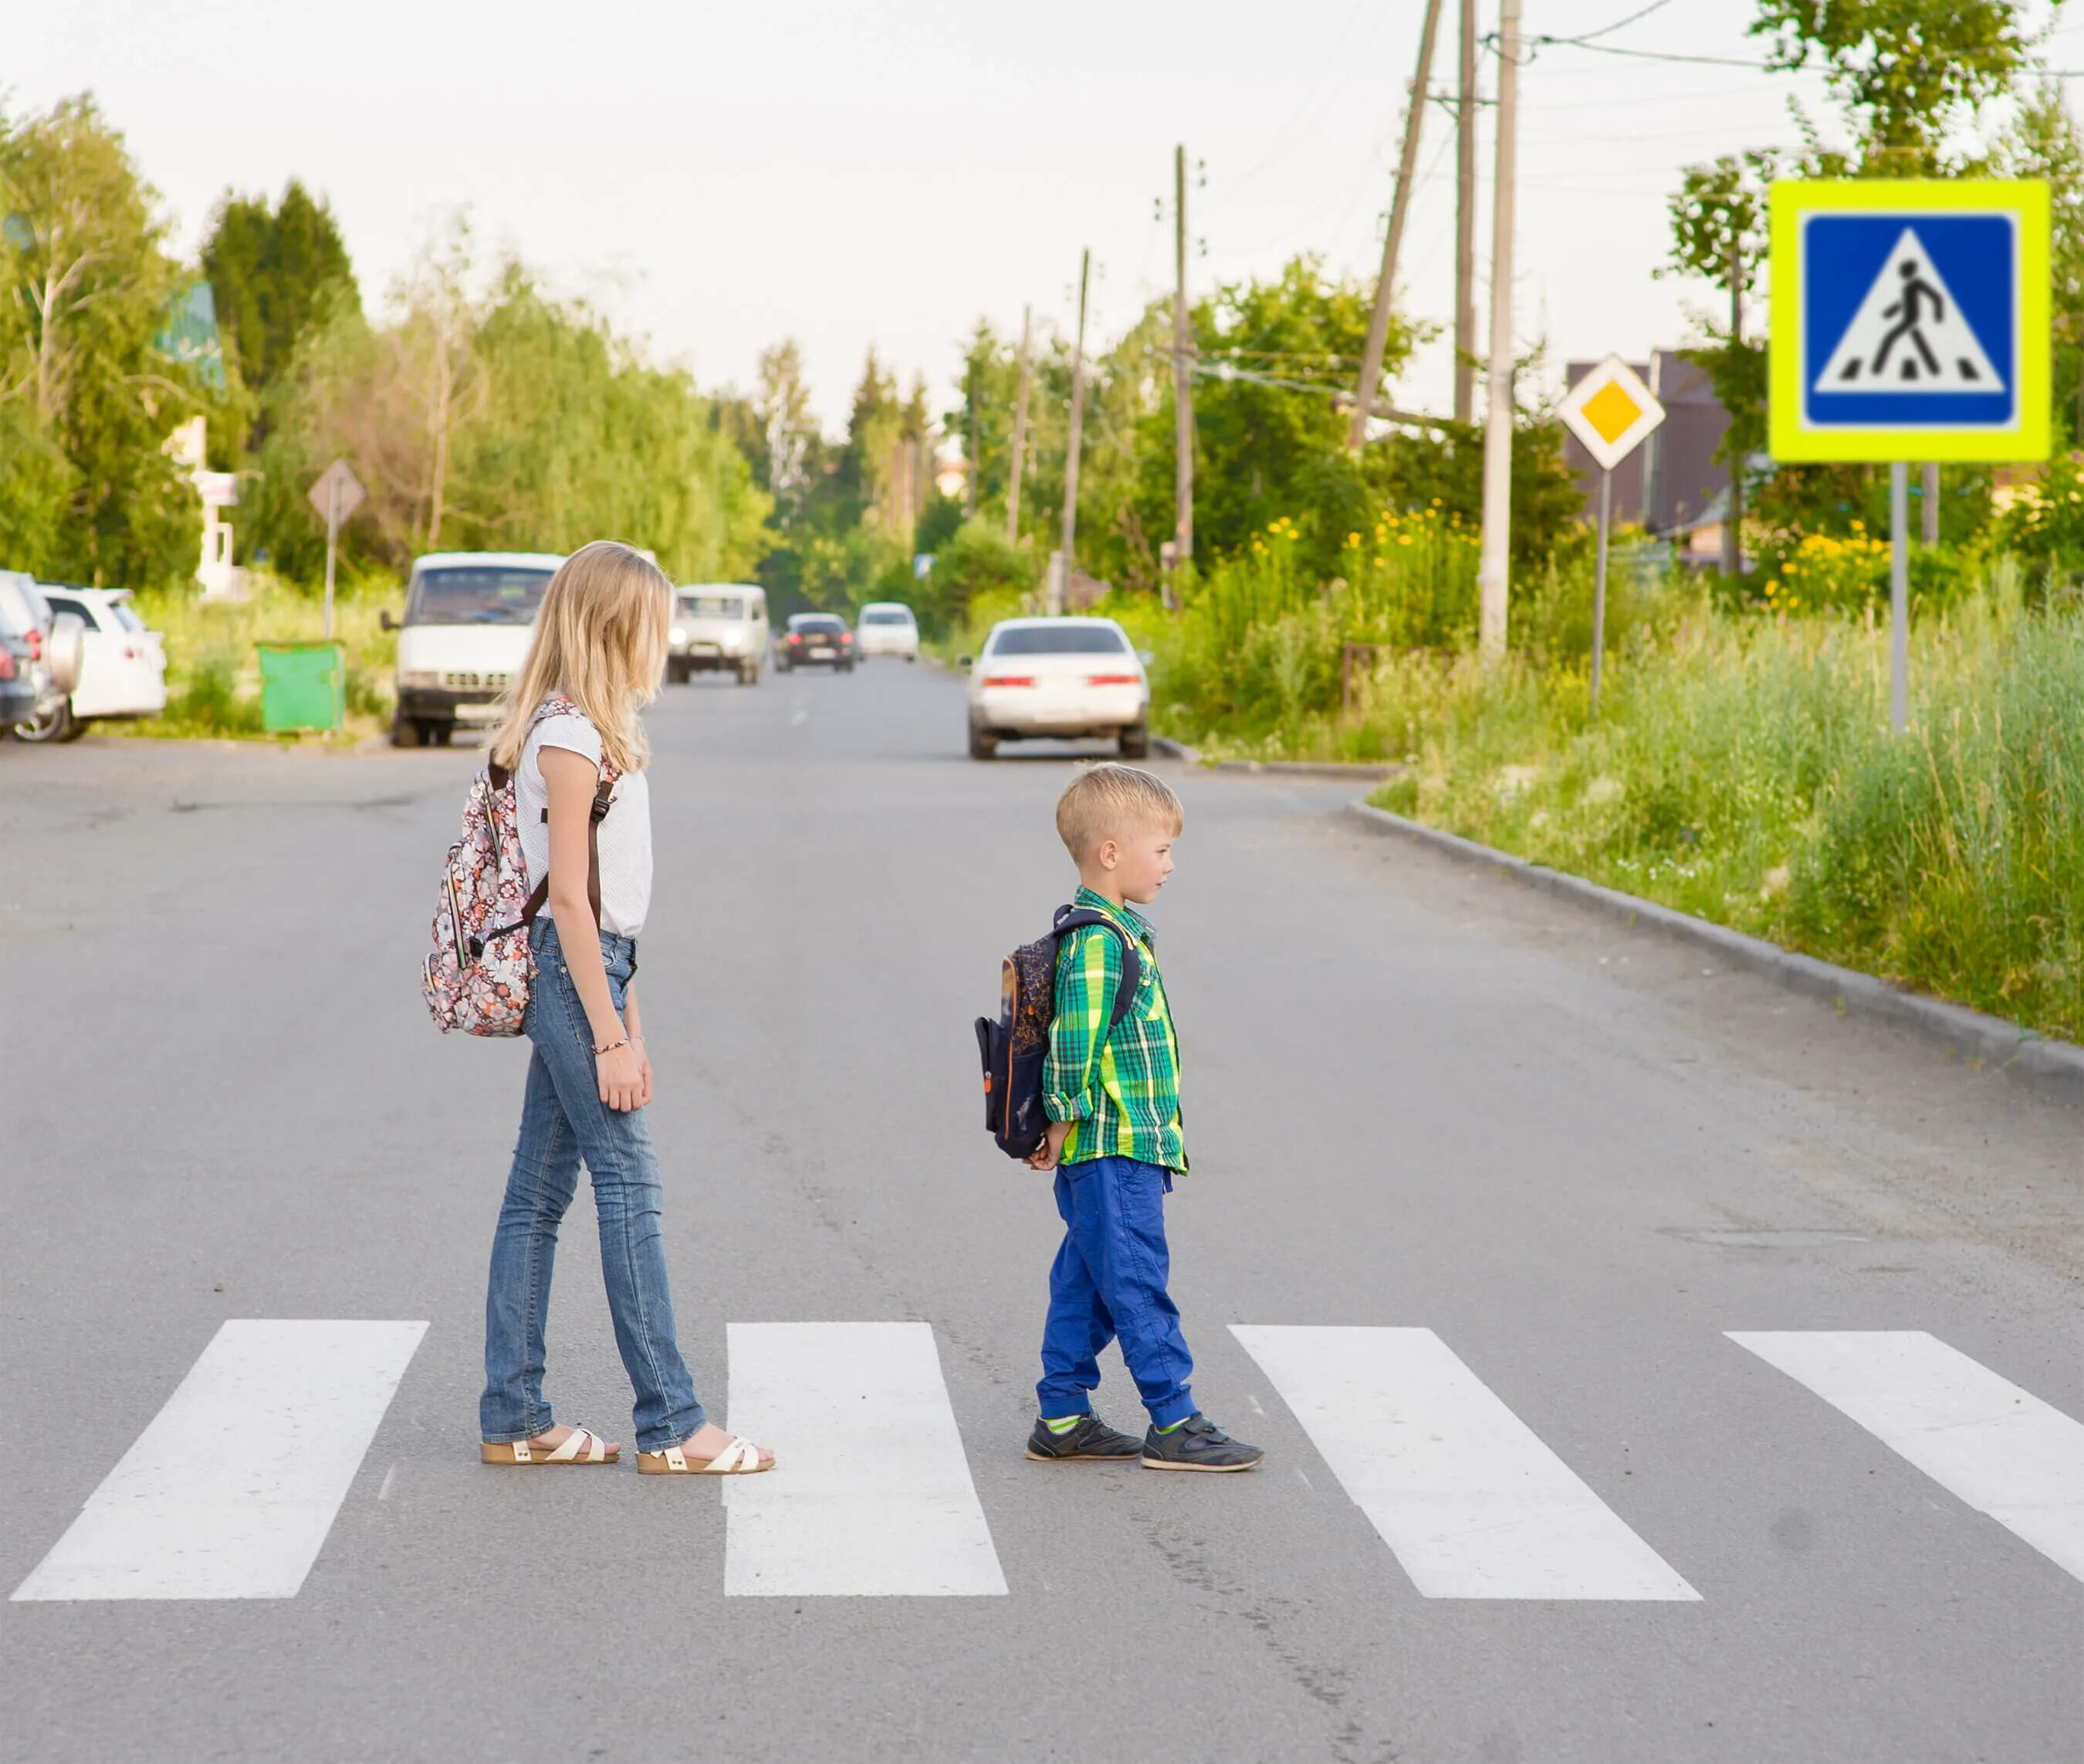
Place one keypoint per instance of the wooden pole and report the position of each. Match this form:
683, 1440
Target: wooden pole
1465, 223
1060, 583
1385, 285
1019, 432
1183, 378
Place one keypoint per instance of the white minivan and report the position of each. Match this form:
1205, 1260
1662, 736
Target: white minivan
717, 624
887, 628
469, 616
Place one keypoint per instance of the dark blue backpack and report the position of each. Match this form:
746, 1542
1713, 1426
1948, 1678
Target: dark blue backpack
1013, 1047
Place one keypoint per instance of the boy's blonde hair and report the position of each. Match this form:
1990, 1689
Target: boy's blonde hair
600, 640
1106, 800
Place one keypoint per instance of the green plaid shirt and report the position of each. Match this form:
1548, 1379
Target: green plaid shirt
1120, 1090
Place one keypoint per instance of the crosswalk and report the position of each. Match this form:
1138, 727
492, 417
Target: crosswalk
877, 1499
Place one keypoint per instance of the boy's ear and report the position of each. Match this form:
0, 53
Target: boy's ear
1109, 853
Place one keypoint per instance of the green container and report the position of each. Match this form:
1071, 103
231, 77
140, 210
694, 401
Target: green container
303, 686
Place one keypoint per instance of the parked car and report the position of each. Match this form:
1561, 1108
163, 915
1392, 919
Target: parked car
469, 616
55, 645
1059, 678
122, 667
717, 625
22, 677
887, 628
816, 637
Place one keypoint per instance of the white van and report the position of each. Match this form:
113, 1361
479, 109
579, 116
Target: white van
717, 624
469, 616
888, 628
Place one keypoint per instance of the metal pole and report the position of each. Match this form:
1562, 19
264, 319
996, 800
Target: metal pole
1060, 582
1899, 597
1599, 584
1928, 512
1492, 585
1385, 286
332, 545
1182, 379
1465, 223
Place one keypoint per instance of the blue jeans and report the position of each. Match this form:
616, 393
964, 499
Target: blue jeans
562, 1121
1108, 1280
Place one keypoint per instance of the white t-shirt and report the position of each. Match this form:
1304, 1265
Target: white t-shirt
625, 834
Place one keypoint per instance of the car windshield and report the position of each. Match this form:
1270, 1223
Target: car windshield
478, 593
713, 606
895, 615
817, 622
1072, 637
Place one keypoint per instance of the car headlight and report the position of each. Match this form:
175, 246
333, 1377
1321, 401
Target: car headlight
680, 634
420, 677
733, 642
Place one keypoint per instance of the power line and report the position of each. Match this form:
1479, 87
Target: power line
1608, 30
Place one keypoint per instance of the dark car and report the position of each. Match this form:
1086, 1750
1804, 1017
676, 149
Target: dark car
815, 637
17, 668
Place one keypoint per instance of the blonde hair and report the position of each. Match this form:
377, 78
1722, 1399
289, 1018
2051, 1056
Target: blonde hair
1106, 800
600, 640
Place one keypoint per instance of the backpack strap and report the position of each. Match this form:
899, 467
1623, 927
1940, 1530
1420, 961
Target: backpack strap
604, 800
1070, 919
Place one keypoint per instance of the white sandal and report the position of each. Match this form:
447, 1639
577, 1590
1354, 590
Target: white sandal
739, 1457
581, 1446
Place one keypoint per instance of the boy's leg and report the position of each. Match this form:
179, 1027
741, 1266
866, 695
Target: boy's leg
1077, 1328
1117, 1214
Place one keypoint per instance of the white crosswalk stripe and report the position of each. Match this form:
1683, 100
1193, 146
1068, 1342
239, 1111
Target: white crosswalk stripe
230, 1491
1473, 1504
2000, 1448
872, 1495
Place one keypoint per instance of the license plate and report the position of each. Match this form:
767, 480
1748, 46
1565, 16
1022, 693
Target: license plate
827, 653
701, 649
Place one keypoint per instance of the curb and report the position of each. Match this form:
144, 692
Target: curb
2055, 1068
1278, 768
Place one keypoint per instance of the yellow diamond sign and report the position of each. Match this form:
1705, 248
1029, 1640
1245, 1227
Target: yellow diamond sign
1611, 412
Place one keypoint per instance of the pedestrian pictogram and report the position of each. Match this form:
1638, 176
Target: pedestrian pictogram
1908, 335
1909, 321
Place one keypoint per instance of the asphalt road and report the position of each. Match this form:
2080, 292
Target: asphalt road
1419, 1101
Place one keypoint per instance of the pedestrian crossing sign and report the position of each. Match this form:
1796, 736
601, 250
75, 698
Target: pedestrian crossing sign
1910, 321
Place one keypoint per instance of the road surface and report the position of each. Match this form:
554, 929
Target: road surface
1652, 1365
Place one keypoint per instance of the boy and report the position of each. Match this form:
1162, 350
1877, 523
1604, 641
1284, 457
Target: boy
1112, 1097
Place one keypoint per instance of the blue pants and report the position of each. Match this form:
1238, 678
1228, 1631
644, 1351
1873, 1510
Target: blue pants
1108, 1280
562, 1121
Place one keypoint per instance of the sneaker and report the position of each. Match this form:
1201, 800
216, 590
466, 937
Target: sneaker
1197, 1444
1092, 1437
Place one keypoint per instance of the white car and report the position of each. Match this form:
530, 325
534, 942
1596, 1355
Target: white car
887, 628
717, 624
122, 666
1059, 678
469, 618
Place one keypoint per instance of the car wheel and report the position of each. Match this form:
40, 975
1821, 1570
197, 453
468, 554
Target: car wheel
911, 658
406, 732
75, 727
748, 673
47, 725
676, 671
1136, 743
440, 734
982, 746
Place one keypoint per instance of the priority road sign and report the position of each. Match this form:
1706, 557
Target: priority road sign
1611, 412
1909, 321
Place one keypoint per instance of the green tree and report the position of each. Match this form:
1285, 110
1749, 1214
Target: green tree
2043, 143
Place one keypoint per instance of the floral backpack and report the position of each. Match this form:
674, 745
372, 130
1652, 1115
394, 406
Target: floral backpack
478, 978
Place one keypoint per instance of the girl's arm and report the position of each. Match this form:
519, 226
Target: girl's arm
571, 779
633, 1026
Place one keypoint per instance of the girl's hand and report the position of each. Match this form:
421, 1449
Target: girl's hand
644, 1069
624, 1083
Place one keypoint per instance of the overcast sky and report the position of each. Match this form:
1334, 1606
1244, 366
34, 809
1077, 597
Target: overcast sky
851, 172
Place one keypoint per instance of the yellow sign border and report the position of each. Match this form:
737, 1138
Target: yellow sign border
1789, 439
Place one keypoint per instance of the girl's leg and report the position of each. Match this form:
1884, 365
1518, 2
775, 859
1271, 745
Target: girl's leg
540, 1185
617, 1149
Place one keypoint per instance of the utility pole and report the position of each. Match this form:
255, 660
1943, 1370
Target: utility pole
1019, 433
1182, 379
1385, 286
1465, 223
1492, 573
1733, 516
1060, 583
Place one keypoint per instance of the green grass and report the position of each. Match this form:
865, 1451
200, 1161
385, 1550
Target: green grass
213, 660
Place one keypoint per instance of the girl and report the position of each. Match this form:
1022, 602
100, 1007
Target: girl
571, 729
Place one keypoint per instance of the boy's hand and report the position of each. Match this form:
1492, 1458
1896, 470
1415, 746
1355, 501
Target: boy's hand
1045, 1155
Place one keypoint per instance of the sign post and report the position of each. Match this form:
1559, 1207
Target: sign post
1611, 412
1909, 322
337, 495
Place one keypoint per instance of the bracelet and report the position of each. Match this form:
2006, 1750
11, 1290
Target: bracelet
612, 1045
